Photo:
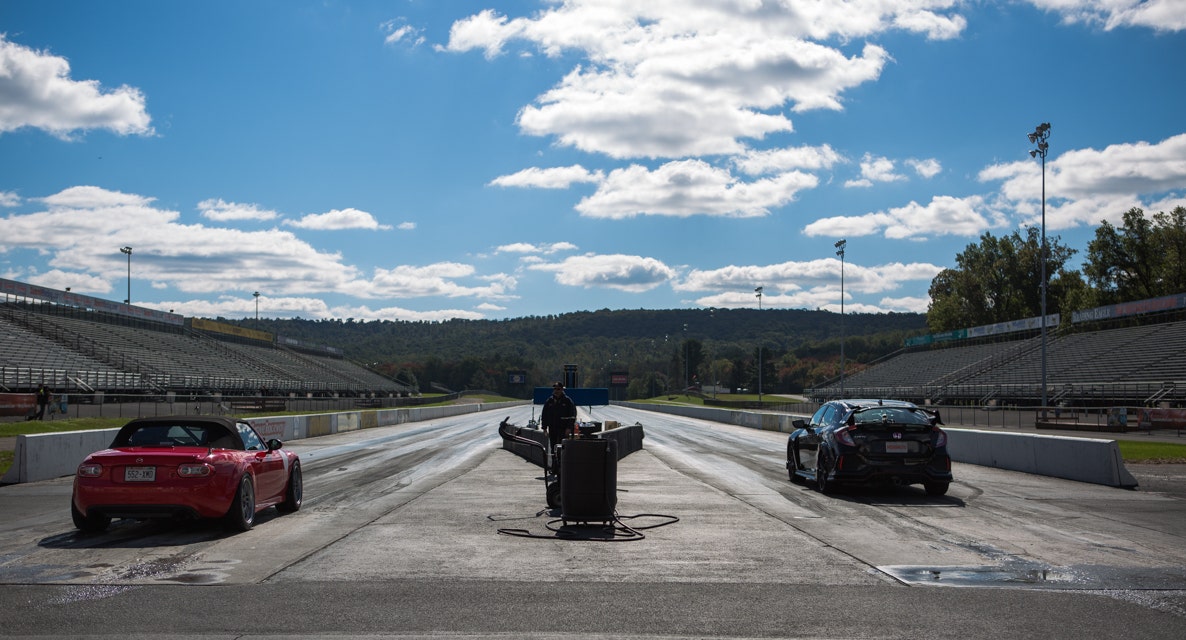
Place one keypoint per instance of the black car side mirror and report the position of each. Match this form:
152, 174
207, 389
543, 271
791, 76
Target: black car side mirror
274, 444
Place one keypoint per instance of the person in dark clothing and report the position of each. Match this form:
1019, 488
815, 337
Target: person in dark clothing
42, 401
559, 415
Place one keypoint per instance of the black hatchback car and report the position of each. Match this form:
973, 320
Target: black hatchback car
870, 441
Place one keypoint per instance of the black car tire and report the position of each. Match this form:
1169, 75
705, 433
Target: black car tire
88, 524
793, 465
936, 488
294, 493
790, 462
822, 484
241, 515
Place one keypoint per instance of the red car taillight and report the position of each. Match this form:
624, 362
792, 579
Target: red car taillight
940, 438
90, 470
845, 437
194, 470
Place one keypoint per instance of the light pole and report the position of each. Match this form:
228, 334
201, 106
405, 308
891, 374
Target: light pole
759, 374
256, 294
758, 292
128, 252
687, 382
1038, 137
840, 245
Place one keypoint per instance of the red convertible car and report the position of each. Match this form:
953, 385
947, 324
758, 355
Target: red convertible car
186, 467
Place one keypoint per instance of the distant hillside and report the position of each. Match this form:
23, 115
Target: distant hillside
474, 353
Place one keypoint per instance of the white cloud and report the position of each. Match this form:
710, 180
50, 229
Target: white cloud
399, 31
928, 168
679, 78
83, 227
801, 285
38, 92
1160, 15
399, 313
91, 197
781, 160
935, 26
74, 281
1086, 186
687, 188
406, 226
9, 199
875, 169
304, 307
944, 215
553, 178
220, 211
543, 248
438, 279
634, 274
338, 219
906, 304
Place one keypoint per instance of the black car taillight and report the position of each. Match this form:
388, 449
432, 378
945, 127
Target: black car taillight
940, 437
845, 437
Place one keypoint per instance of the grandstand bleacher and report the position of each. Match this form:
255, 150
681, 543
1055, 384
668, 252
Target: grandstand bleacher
84, 351
1143, 365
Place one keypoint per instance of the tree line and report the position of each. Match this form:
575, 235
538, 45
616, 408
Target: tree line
1000, 279
660, 351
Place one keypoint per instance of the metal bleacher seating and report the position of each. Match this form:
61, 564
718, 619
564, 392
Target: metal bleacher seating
27, 359
1136, 360
86, 352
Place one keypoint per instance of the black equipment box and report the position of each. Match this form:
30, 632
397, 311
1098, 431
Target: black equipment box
588, 480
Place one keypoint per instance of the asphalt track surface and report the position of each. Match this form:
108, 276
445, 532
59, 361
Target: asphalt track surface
399, 537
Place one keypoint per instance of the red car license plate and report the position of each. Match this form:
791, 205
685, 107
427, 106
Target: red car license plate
139, 474
897, 447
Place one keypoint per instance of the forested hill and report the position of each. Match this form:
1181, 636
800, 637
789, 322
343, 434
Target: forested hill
627, 340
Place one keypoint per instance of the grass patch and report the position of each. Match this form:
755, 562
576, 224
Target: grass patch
1140, 452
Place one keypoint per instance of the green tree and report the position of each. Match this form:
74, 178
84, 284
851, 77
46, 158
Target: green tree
1143, 258
997, 280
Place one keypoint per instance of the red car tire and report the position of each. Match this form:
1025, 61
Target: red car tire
241, 515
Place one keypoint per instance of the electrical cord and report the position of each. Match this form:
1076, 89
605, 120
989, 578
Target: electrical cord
612, 531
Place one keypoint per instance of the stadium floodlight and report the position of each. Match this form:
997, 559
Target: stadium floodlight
1039, 136
256, 294
840, 246
128, 252
758, 292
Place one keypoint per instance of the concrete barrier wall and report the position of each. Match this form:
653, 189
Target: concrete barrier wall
52, 455
1083, 459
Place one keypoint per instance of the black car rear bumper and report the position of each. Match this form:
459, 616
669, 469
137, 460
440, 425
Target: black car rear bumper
857, 469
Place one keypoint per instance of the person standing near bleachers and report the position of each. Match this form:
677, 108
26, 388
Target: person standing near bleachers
42, 401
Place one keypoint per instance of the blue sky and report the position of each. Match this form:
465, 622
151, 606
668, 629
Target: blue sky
425, 160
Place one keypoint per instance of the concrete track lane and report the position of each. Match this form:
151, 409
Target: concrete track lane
1007, 527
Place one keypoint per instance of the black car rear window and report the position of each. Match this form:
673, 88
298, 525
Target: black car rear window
895, 415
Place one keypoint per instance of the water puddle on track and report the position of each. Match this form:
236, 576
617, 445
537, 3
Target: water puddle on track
1039, 577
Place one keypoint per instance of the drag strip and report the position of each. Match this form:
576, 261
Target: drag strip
421, 504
